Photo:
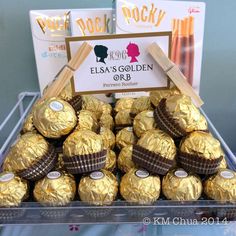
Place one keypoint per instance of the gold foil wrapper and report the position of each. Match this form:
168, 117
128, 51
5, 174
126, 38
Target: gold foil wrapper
98, 188
201, 144
223, 163
157, 95
138, 186
13, 190
181, 186
106, 121
158, 142
82, 142
60, 162
54, 118
87, 120
56, 189
106, 108
27, 150
141, 104
125, 137
109, 139
221, 186
125, 162
110, 161
124, 103
185, 114
28, 125
143, 122
66, 94
123, 117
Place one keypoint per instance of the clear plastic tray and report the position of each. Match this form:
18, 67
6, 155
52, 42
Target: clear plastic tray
162, 212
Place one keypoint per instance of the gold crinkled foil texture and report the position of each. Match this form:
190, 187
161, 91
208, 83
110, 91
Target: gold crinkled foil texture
123, 117
219, 188
109, 139
223, 163
66, 93
125, 162
157, 95
27, 150
181, 188
185, 114
55, 192
158, 142
143, 122
81, 143
201, 144
125, 137
140, 190
106, 121
54, 118
101, 191
124, 103
141, 104
87, 120
110, 161
28, 125
12, 192
106, 108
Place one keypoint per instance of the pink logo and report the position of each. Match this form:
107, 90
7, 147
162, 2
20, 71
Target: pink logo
194, 10
133, 52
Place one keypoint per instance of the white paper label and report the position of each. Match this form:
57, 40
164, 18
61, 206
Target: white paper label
227, 174
181, 173
56, 106
130, 129
96, 175
54, 175
7, 177
150, 114
142, 173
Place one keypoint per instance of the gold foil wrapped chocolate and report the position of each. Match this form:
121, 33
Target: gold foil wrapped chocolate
27, 150
124, 103
181, 186
223, 163
110, 161
125, 162
138, 186
185, 114
125, 137
66, 94
98, 188
28, 125
123, 118
221, 186
143, 122
60, 162
13, 190
109, 139
82, 142
141, 104
106, 108
56, 189
106, 121
201, 144
54, 118
158, 142
87, 120
157, 95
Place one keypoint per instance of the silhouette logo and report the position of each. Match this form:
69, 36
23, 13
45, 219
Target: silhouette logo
133, 52
101, 53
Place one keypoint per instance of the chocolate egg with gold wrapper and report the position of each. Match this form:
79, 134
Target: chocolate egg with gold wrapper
125, 137
181, 186
31, 157
110, 161
98, 188
109, 139
54, 118
124, 103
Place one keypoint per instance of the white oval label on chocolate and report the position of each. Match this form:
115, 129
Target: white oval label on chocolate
56, 106
150, 114
96, 175
130, 129
181, 173
102, 129
54, 175
227, 174
142, 173
7, 177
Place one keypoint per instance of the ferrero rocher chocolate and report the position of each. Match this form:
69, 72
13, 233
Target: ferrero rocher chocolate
106, 108
125, 162
110, 161
221, 186
125, 137
141, 104
123, 118
13, 190
66, 94
28, 125
181, 186
124, 103
56, 189
138, 186
87, 120
223, 163
81, 143
54, 118
109, 139
157, 95
98, 188
143, 122
106, 121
